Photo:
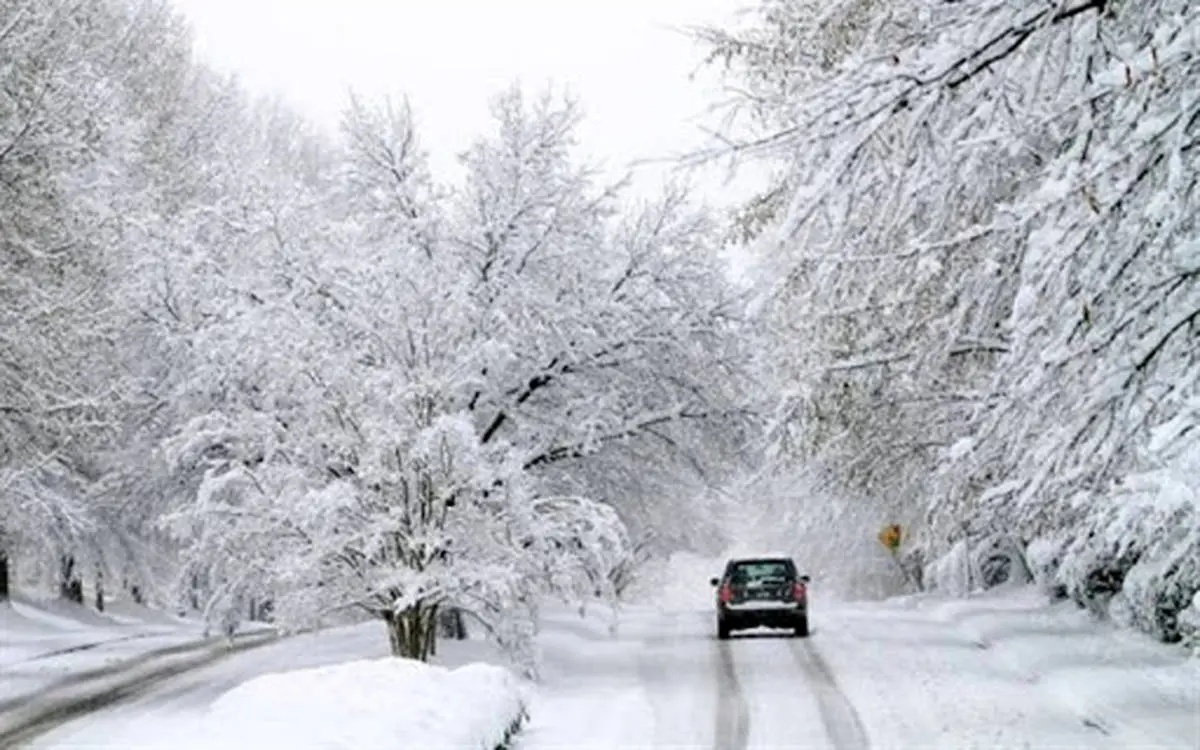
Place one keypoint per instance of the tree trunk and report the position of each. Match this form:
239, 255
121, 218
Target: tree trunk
4, 592
260, 610
99, 590
451, 624
413, 632
70, 587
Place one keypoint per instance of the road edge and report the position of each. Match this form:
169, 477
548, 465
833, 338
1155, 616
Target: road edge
66, 702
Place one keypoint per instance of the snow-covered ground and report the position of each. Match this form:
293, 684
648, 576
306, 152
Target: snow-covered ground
45, 642
1001, 670
1005, 669
200, 709
34, 629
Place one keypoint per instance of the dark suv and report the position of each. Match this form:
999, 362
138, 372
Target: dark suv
761, 592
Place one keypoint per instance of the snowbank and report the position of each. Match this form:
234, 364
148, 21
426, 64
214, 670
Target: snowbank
1007, 669
384, 703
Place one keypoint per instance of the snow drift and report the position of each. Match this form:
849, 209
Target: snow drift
382, 703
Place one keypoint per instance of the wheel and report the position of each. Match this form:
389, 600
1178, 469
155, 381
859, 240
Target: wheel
722, 631
802, 627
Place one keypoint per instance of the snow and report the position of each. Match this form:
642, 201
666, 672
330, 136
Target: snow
380, 703
39, 626
951, 574
1189, 621
678, 583
30, 628
1000, 669
591, 695
43, 643
1042, 556
963, 446
195, 710
1005, 669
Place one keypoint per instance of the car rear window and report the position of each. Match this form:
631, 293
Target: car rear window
759, 570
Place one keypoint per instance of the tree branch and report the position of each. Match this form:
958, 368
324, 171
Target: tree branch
578, 449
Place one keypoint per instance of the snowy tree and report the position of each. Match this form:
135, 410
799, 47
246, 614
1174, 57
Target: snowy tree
603, 316
143, 183
981, 244
62, 142
409, 402
885, 330
331, 382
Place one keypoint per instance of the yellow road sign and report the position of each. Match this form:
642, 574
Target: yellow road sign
890, 537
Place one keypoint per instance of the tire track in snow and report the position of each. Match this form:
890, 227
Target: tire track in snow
74, 699
842, 723
678, 671
733, 715
78, 648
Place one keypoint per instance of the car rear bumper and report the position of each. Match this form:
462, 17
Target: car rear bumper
761, 614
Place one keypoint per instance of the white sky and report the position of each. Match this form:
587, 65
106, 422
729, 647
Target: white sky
625, 59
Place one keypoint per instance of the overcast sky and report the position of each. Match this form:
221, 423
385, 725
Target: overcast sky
626, 59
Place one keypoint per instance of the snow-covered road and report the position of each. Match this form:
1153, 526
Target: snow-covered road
1001, 671
998, 671
758, 690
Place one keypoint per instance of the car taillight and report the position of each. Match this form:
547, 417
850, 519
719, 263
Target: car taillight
798, 591
725, 593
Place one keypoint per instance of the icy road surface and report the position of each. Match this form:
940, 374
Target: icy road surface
1000, 671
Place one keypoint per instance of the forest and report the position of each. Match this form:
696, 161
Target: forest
256, 370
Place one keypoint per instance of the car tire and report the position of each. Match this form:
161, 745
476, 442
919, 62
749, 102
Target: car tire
802, 627
722, 631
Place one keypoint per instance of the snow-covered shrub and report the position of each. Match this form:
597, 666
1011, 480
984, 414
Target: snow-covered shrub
970, 566
1189, 624
951, 573
1094, 568
1137, 554
1161, 511
1161, 585
1043, 557
999, 560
